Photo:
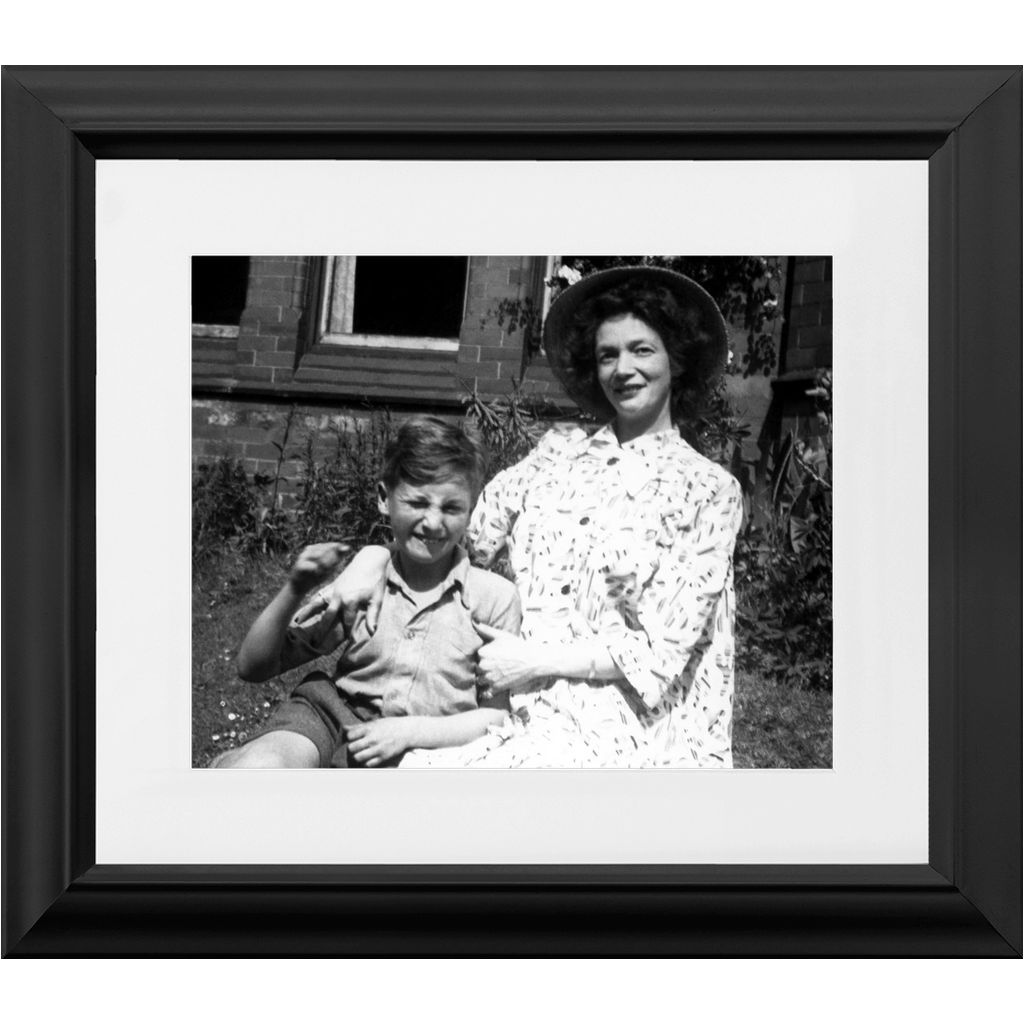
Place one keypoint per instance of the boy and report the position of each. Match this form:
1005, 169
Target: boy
412, 683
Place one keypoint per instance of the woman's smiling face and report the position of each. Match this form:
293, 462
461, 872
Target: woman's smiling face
635, 373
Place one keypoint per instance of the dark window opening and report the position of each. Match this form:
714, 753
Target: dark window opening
219, 286
410, 296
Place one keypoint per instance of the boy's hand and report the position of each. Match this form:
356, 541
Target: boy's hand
316, 564
373, 742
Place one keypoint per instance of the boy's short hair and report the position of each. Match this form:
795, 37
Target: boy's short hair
426, 449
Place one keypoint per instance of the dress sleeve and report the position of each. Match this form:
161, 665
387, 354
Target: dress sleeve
496, 510
303, 641
492, 518
498, 506
674, 609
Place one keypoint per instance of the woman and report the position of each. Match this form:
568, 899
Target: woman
620, 543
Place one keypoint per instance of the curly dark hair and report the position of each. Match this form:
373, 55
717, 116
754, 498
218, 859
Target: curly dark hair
683, 331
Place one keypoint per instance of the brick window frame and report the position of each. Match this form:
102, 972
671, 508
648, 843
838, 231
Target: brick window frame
284, 352
337, 305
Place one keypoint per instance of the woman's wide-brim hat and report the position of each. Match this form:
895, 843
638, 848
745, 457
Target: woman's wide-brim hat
704, 320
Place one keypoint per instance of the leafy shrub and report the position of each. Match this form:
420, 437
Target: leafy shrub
509, 426
232, 511
338, 495
271, 528
784, 562
335, 496
222, 499
319, 507
719, 433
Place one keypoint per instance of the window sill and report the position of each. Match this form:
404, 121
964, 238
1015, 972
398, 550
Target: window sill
392, 342
215, 331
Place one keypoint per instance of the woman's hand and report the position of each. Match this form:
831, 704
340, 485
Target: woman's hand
359, 587
507, 662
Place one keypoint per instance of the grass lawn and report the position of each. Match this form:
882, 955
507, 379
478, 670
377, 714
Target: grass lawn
777, 726
774, 726
226, 599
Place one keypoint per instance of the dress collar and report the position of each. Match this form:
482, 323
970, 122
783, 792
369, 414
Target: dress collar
605, 438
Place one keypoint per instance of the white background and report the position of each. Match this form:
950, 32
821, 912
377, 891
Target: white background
871, 808
896, 31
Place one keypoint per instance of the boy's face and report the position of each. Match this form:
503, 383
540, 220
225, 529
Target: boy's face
428, 520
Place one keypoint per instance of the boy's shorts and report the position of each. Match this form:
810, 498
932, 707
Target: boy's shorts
321, 712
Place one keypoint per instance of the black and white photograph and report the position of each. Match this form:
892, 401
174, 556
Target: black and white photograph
512, 511
604, 517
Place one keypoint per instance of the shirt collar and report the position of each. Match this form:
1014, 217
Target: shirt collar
456, 575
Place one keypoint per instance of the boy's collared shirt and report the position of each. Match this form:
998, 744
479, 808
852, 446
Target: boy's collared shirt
421, 659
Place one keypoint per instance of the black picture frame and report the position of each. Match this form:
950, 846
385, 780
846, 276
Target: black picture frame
966, 122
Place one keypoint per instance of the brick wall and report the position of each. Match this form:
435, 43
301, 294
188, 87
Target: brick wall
808, 340
488, 353
269, 328
491, 356
248, 429
806, 348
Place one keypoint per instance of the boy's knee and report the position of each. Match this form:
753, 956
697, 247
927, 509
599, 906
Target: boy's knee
272, 750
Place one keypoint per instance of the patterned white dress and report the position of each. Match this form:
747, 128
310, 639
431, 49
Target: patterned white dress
630, 544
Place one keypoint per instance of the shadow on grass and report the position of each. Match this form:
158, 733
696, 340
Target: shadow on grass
774, 726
